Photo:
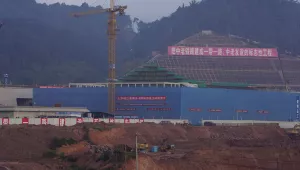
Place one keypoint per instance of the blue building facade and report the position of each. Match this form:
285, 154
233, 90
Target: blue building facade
193, 104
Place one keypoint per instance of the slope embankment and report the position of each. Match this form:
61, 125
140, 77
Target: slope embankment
94, 146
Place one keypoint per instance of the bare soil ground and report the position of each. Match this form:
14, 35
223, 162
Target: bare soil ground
204, 148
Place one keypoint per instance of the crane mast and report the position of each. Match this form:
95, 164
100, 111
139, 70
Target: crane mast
111, 59
112, 29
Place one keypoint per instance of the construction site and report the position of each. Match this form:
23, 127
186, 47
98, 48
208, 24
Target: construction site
149, 146
227, 79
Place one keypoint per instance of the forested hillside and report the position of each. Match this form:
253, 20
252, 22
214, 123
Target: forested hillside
275, 22
42, 44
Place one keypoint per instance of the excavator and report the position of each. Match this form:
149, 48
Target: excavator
295, 132
143, 146
166, 147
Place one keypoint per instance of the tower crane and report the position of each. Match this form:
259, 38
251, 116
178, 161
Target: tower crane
112, 28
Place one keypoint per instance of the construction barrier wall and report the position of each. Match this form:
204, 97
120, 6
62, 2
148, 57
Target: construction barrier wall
282, 124
148, 103
225, 104
193, 104
73, 121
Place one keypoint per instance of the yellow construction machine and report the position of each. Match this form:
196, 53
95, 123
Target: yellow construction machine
143, 146
295, 132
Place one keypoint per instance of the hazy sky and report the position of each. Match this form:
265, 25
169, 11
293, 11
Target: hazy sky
146, 10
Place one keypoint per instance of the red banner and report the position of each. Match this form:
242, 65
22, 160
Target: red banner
195, 109
222, 51
126, 120
61, 121
25, 120
141, 97
263, 112
44, 121
5, 121
111, 120
215, 110
96, 120
79, 120
241, 111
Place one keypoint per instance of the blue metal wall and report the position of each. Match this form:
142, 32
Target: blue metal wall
280, 106
95, 99
187, 103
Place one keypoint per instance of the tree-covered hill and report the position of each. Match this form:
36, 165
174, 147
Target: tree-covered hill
42, 44
275, 22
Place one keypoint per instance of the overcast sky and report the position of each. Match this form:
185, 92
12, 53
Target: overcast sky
146, 10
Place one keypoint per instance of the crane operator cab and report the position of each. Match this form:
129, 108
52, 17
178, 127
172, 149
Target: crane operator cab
122, 10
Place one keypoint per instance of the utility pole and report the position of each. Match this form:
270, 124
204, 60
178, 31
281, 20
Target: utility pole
136, 151
112, 29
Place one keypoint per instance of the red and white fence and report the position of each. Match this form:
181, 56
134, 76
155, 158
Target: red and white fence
73, 121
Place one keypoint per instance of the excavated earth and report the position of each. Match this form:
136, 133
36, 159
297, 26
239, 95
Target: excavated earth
203, 148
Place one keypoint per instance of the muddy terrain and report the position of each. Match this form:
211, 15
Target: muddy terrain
110, 146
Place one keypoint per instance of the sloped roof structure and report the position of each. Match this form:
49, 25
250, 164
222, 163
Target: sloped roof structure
275, 72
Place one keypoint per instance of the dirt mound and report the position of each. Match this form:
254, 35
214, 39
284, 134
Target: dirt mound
242, 132
260, 158
110, 137
248, 147
30, 166
29, 142
144, 163
152, 134
74, 149
223, 159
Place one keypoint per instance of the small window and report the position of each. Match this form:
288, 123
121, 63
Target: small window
24, 102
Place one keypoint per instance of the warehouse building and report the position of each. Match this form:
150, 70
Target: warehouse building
35, 112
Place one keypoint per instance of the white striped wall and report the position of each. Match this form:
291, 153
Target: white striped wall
73, 121
282, 124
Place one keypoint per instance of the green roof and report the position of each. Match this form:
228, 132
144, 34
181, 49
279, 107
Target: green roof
152, 73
